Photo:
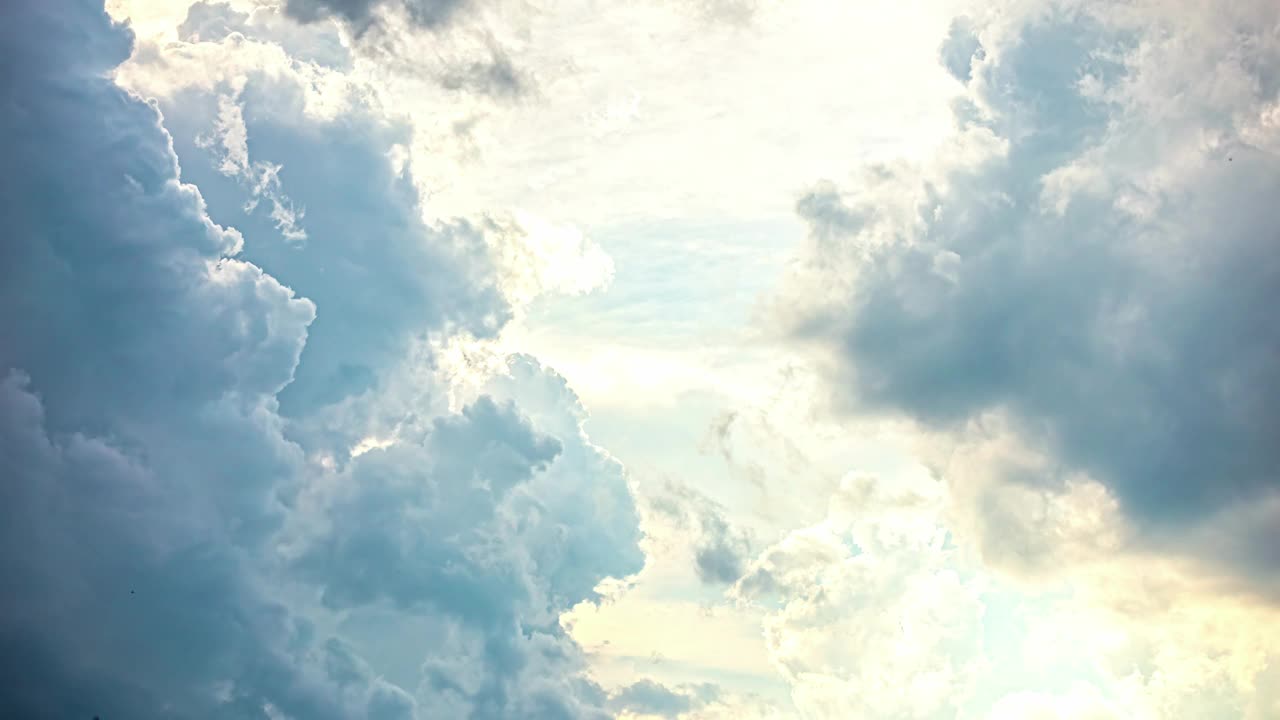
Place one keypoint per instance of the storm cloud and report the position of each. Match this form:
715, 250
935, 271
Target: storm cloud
1102, 273
182, 537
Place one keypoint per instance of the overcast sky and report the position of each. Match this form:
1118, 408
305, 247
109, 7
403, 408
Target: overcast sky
700, 359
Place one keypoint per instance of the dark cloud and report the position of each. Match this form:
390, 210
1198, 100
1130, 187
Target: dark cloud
211, 21
455, 483
182, 538
381, 274
362, 14
1139, 348
721, 553
138, 456
489, 72
720, 550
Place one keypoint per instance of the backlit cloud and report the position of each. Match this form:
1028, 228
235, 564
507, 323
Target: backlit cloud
1095, 259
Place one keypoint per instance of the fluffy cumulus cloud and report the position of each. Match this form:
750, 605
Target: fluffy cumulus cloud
271, 126
192, 527
652, 698
647, 699
1091, 261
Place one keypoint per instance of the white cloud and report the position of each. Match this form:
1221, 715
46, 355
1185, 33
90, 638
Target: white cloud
538, 257
1081, 703
875, 617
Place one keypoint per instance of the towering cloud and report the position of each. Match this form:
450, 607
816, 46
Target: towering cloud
183, 535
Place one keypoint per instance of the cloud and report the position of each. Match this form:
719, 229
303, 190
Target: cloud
879, 610
383, 275
462, 536
362, 14
182, 536
651, 699
1159, 639
495, 76
719, 557
648, 697
213, 22
270, 140
1083, 703
732, 13
720, 550
961, 48
139, 446
719, 438
455, 482
1066, 301
472, 62
872, 615
1093, 256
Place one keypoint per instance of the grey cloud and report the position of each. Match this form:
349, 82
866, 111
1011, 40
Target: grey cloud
719, 437
382, 276
591, 526
383, 280
173, 544
362, 14
211, 21
1136, 349
137, 457
720, 555
453, 484
650, 697
720, 550
961, 48
492, 526
782, 571
495, 76
492, 75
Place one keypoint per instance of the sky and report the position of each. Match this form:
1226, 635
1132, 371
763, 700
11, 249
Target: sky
685, 359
